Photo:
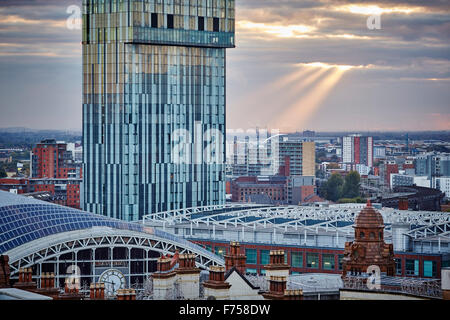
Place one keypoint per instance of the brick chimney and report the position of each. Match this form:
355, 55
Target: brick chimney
235, 258
71, 291
4, 271
26, 280
163, 278
188, 276
216, 286
48, 285
277, 266
126, 294
277, 287
293, 294
97, 291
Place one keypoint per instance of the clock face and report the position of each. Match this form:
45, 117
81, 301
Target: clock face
113, 280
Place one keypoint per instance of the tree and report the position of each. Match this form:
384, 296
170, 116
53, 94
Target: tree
3, 173
334, 187
351, 185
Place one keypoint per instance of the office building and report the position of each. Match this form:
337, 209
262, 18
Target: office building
154, 104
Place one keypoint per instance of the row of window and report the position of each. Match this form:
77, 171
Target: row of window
329, 261
412, 267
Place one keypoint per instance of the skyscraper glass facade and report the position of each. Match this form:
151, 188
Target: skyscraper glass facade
154, 104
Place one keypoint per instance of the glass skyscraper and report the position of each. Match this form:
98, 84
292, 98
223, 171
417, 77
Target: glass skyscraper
154, 104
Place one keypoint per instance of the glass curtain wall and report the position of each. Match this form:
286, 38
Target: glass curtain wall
154, 104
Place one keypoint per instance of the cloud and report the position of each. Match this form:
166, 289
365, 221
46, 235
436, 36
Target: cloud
406, 63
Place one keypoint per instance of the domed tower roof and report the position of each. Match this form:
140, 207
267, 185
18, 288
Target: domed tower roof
369, 218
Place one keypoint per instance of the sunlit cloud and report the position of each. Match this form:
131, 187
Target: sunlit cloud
374, 9
289, 31
15, 20
322, 65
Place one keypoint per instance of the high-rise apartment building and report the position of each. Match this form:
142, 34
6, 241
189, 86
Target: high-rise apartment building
357, 149
154, 104
298, 156
51, 159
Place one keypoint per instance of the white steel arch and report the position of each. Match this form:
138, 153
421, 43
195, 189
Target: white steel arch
43, 249
336, 218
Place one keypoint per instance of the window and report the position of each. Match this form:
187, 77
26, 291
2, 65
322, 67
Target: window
312, 260
201, 24
216, 24
264, 257
412, 267
429, 268
398, 267
154, 21
251, 256
170, 21
362, 235
340, 257
328, 262
372, 236
251, 271
297, 259
220, 251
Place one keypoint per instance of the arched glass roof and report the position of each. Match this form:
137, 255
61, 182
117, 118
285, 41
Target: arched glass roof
23, 220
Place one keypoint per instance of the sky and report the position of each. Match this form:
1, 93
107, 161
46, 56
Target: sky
297, 65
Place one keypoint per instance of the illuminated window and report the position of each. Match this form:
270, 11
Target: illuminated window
312, 260
328, 262
220, 251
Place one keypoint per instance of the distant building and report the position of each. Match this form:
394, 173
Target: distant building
309, 134
379, 152
432, 165
302, 189
65, 192
298, 156
398, 179
443, 184
417, 198
5, 157
51, 159
358, 149
274, 187
387, 168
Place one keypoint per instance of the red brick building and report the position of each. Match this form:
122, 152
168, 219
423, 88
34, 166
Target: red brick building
273, 187
50, 159
304, 259
65, 192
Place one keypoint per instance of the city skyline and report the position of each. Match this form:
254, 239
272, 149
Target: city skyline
323, 68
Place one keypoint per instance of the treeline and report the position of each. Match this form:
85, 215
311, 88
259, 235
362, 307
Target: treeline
344, 190
27, 140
